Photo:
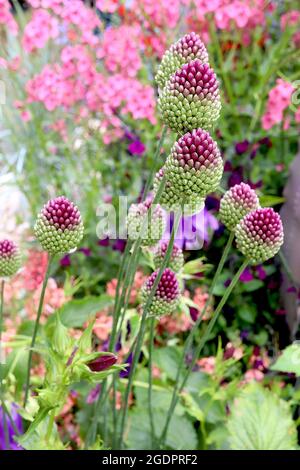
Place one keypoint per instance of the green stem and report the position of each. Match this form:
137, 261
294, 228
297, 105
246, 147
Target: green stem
5, 427
36, 327
130, 269
141, 333
201, 344
151, 341
198, 321
157, 153
50, 426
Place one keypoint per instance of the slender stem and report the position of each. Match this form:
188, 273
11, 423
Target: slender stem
151, 344
287, 269
129, 270
36, 327
157, 153
50, 425
5, 427
141, 333
196, 325
201, 344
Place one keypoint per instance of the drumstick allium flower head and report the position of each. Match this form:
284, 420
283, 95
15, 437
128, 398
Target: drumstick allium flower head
10, 258
236, 203
191, 98
189, 47
59, 227
259, 235
147, 221
167, 294
194, 166
176, 261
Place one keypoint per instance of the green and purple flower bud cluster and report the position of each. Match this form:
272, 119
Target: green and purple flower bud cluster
176, 260
59, 227
146, 221
10, 258
258, 231
167, 294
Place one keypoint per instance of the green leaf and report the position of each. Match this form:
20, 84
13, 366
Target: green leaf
267, 201
252, 285
167, 359
76, 312
260, 420
181, 434
289, 361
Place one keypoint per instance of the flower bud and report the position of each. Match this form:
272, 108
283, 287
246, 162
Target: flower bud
188, 48
59, 228
10, 258
167, 294
176, 260
103, 362
146, 221
190, 98
259, 235
236, 203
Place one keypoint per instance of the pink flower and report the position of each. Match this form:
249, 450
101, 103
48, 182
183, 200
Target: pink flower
39, 30
279, 99
291, 18
109, 6
6, 17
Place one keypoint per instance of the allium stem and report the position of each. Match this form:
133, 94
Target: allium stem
200, 346
153, 169
151, 344
36, 327
142, 329
126, 272
5, 428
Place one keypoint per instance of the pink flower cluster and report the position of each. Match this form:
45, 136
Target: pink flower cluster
159, 14
109, 6
39, 30
119, 50
6, 17
278, 101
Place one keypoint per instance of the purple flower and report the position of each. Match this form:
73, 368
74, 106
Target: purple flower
246, 276
136, 148
261, 272
8, 442
119, 245
194, 230
85, 251
125, 373
104, 242
93, 395
242, 147
65, 261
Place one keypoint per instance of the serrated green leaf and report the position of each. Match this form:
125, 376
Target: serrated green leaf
289, 361
260, 420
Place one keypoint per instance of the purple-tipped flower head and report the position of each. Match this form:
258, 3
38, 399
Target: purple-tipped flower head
173, 200
10, 259
189, 47
176, 260
191, 98
166, 296
259, 235
59, 227
147, 221
236, 203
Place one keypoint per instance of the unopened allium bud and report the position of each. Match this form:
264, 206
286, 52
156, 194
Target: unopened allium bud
191, 98
103, 362
146, 221
59, 227
194, 166
189, 47
10, 259
236, 203
173, 199
176, 259
167, 294
259, 235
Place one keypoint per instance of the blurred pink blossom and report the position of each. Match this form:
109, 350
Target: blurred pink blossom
278, 101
